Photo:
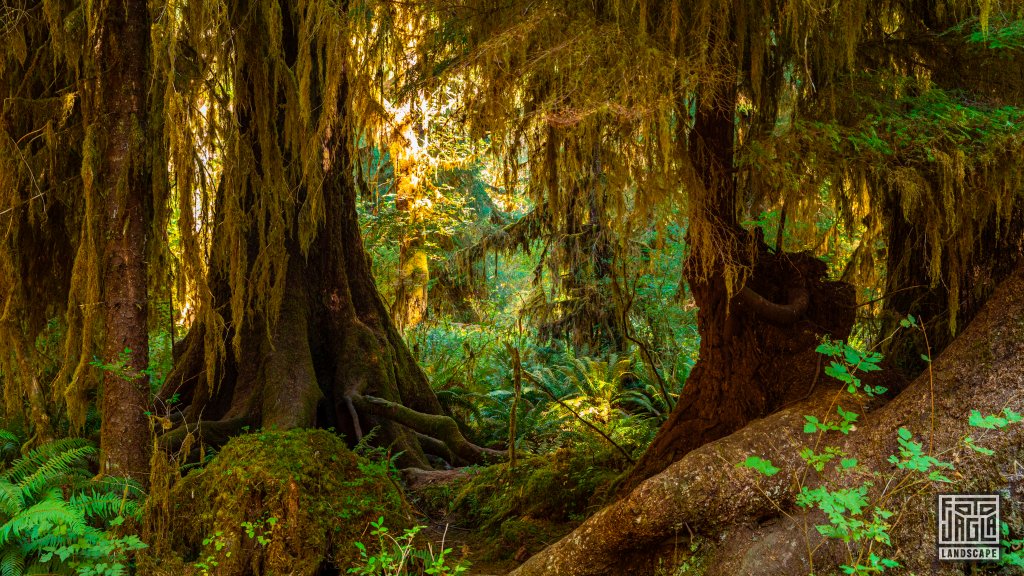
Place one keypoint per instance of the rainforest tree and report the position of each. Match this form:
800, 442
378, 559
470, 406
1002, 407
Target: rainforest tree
291, 330
731, 108
259, 195
80, 188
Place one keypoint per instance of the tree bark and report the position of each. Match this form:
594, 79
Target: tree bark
750, 520
118, 125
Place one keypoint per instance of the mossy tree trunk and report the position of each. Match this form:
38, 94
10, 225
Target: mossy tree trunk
330, 355
757, 340
911, 289
121, 178
410, 305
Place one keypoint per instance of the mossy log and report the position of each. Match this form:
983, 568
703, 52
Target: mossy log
760, 531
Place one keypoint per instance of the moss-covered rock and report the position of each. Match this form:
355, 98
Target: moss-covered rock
280, 503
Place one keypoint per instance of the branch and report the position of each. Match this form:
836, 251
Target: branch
787, 313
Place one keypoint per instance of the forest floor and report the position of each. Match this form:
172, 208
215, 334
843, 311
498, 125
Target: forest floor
493, 550
468, 544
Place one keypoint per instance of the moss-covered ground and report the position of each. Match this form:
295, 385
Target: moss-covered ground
278, 503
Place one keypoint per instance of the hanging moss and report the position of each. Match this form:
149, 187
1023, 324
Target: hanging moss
277, 503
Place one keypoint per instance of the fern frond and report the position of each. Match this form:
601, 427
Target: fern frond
9, 443
50, 512
105, 505
38, 568
56, 469
458, 397
30, 463
12, 563
120, 485
11, 500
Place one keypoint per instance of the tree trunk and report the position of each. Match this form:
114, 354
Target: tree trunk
749, 521
117, 128
410, 306
331, 356
332, 351
757, 347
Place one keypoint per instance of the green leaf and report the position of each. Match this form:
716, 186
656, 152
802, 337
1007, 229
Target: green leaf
760, 465
811, 426
969, 442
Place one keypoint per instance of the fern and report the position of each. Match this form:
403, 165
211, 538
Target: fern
28, 464
105, 505
50, 513
54, 520
59, 467
8, 447
11, 499
13, 562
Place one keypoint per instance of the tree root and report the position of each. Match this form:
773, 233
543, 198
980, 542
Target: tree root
442, 428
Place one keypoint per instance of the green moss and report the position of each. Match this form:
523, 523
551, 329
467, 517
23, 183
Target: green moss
532, 505
280, 503
531, 533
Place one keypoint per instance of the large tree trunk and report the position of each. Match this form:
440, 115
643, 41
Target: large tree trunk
330, 356
757, 347
750, 520
117, 129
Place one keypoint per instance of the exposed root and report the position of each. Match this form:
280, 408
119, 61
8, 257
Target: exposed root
442, 428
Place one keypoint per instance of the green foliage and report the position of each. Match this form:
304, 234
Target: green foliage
855, 516
1013, 549
847, 361
533, 504
853, 503
912, 457
56, 520
399, 556
760, 465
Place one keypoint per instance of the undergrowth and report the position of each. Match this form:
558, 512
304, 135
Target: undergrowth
57, 520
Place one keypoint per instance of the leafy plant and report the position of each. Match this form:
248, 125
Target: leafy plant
856, 514
56, 520
399, 556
